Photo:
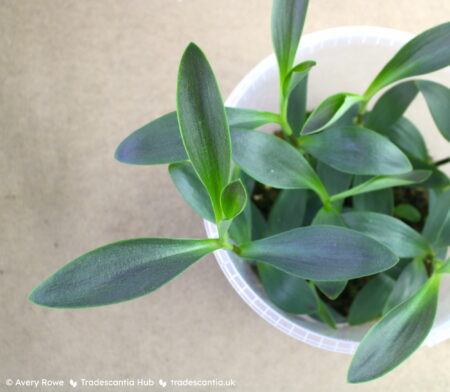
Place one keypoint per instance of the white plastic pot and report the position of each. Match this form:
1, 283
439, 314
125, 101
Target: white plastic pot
348, 58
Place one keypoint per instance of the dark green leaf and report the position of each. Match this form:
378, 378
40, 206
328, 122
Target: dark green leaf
288, 210
397, 269
329, 111
288, 17
334, 180
437, 97
425, 53
437, 179
407, 212
381, 182
203, 123
273, 161
396, 235
378, 201
191, 189
391, 106
356, 150
412, 278
288, 292
368, 304
332, 289
259, 224
408, 138
327, 216
233, 199
397, 335
120, 271
296, 111
439, 206
322, 253
324, 313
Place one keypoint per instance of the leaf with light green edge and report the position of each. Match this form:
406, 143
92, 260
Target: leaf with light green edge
382, 182
322, 253
296, 75
437, 97
411, 279
425, 53
391, 106
233, 199
203, 123
273, 161
437, 179
332, 289
191, 189
438, 208
160, 142
378, 201
329, 111
405, 135
288, 210
296, 109
445, 268
408, 212
119, 272
393, 233
288, 17
401, 332
286, 291
356, 150
369, 302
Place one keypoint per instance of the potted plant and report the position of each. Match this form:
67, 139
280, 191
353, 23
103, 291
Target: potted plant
325, 210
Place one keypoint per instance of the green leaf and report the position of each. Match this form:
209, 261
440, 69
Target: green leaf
119, 272
437, 97
408, 138
425, 53
329, 111
408, 212
393, 233
333, 180
439, 206
397, 335
445, 268
324, 314
191, 189
368, 304
391, 106
288, 17
443, 239
356, 150
203, 123
412, 278
437, 179
381, 182
288, 210
378, 201
233, 199
273, 161
332, 289
160, 141
296, 110
259, 224
288, 292
327, 216
314, 252
296, 75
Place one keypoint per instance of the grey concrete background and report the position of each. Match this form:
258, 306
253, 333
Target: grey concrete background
76, 78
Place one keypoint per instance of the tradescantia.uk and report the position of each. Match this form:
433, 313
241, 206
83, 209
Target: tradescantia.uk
334, 220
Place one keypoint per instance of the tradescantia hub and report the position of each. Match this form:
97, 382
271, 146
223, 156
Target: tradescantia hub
334, 219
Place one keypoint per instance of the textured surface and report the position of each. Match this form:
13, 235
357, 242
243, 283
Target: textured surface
78, 77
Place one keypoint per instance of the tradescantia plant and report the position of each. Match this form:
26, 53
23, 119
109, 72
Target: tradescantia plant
335, 218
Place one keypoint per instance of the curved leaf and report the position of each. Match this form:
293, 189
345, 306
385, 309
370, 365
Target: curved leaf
288, 210
329, 111
296, 75
288, 17
272, 161
378, 201
368, 304
425, 53
438, 211
332, 289
296, 110
356, 150
322, 253
203, 123
120, 271
191, 189
396, 235
233, 199
288, 292
408, 212
401, 332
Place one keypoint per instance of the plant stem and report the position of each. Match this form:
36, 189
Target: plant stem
361, 112
442, 161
